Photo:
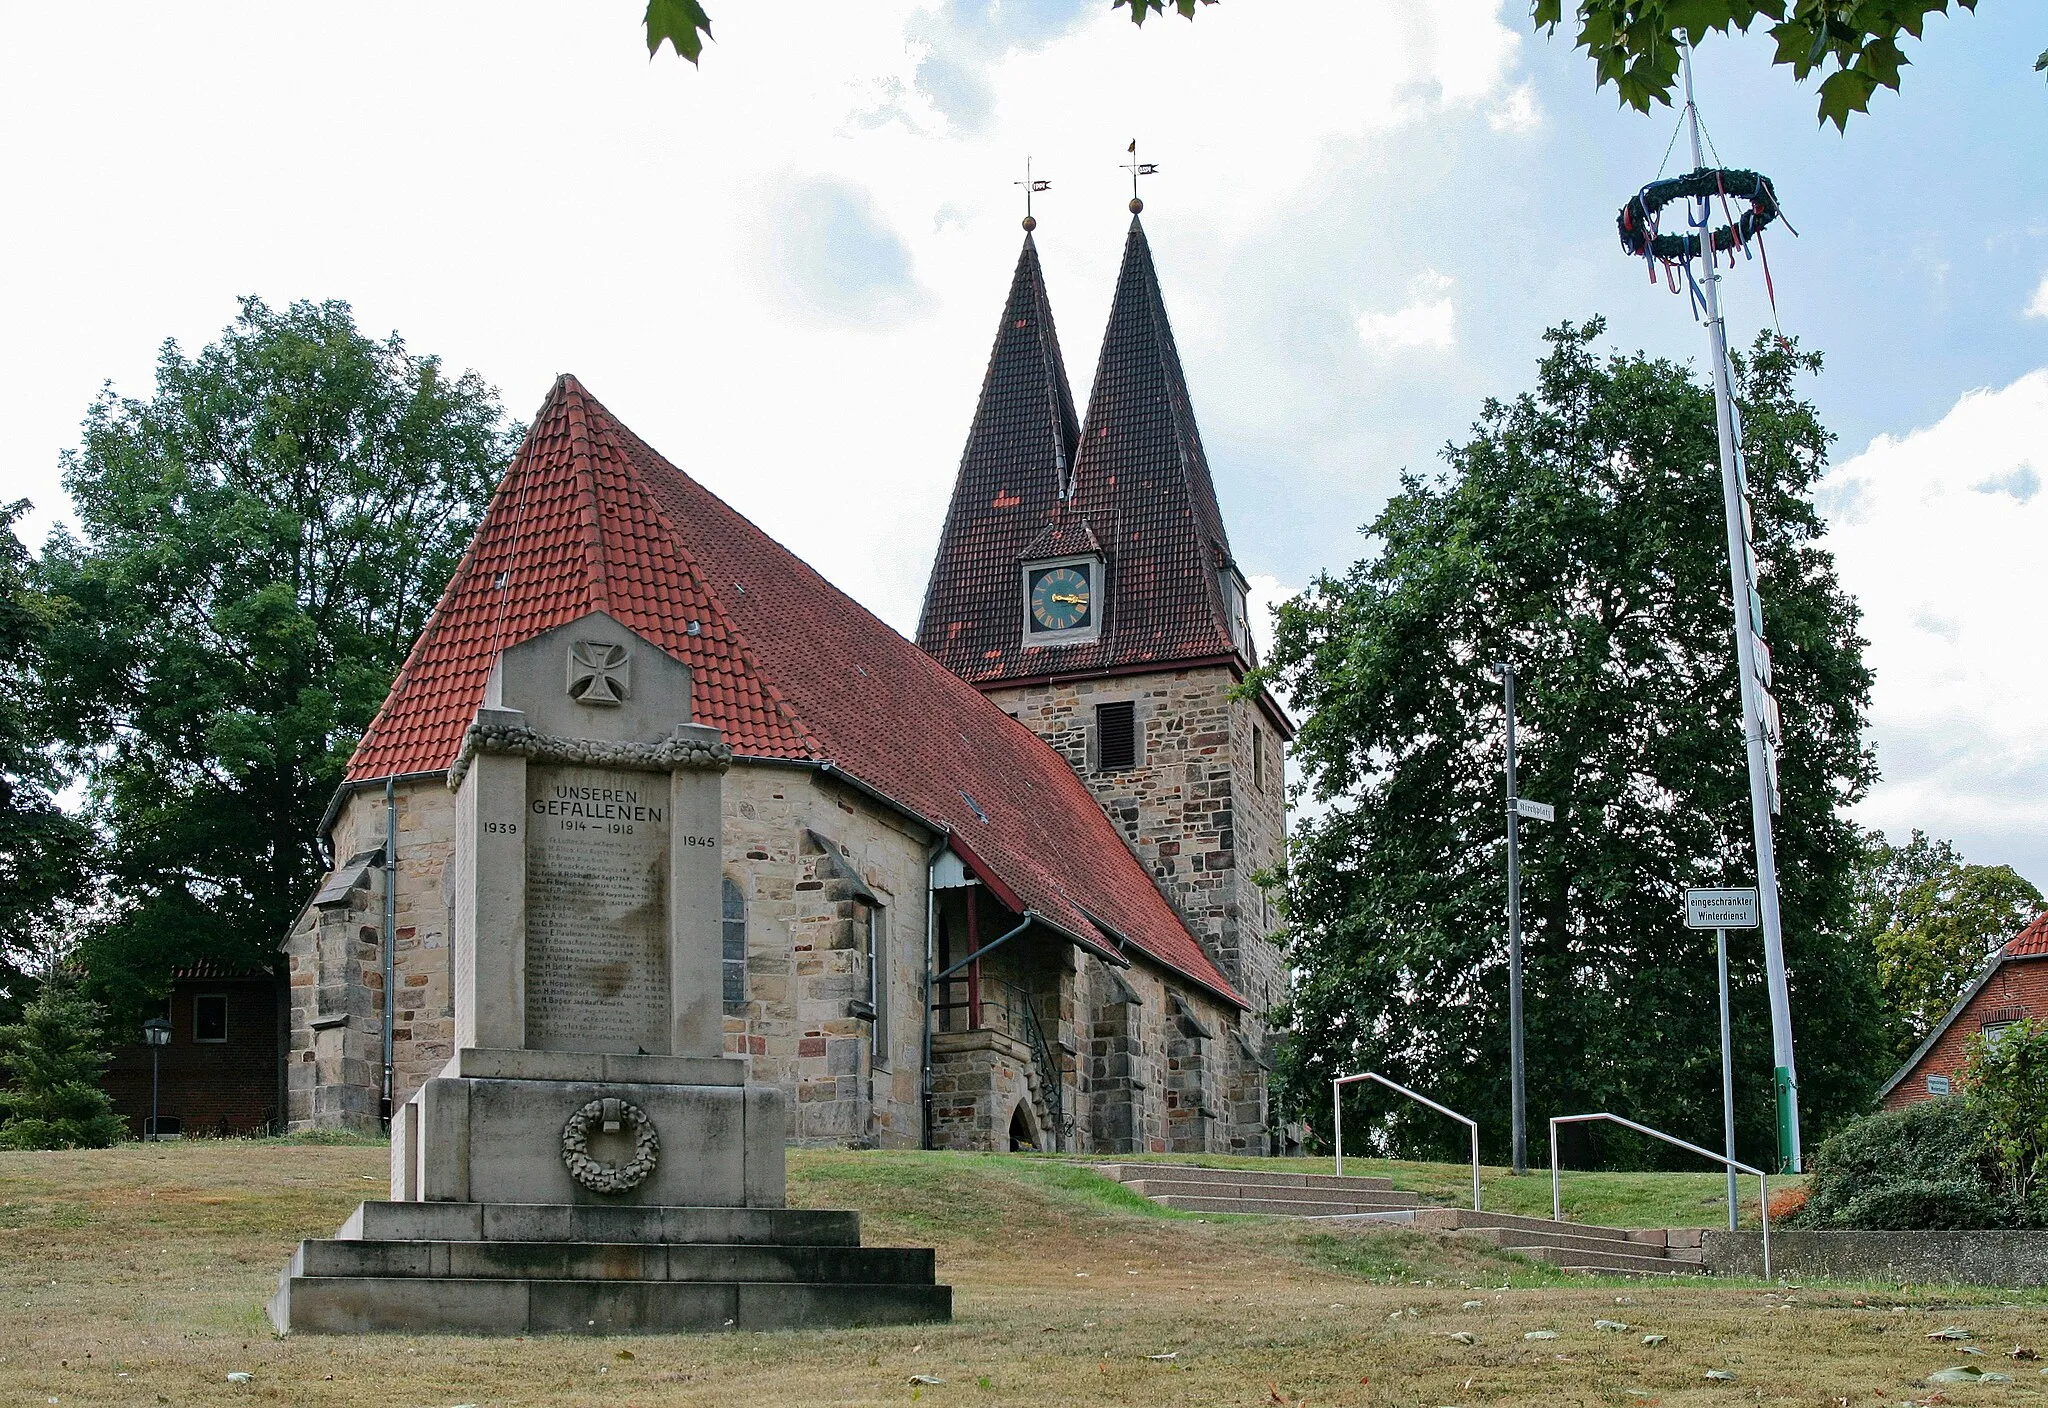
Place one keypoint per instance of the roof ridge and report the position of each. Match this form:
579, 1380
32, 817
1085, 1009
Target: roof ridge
586, 490
611, 425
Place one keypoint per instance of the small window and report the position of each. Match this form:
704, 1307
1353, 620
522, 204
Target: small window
876, 939
735, 916
210, 1017
1116, 736
1258, 758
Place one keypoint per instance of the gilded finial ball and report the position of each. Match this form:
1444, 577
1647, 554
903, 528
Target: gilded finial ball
1136, 205
1030, 223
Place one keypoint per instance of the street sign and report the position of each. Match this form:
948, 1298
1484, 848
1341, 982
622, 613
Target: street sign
1720, 909
1535, 811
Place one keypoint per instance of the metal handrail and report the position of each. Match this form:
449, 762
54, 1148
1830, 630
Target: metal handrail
1337, 1119
1763, 1179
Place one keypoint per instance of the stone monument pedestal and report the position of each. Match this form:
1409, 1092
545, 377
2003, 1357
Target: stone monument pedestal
589, 1162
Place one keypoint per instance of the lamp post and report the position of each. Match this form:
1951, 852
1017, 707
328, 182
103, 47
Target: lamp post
156, 1035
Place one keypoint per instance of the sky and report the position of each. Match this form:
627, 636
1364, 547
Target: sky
784, 269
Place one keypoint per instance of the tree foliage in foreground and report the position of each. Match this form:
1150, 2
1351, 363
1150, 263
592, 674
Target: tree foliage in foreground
44, 852
1634, 44
1578, 534
53, 1059
260, 542
1933, 919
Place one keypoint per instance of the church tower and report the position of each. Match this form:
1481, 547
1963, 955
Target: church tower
1084, 582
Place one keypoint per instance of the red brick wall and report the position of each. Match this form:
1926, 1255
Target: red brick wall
229, 1087
2018, 989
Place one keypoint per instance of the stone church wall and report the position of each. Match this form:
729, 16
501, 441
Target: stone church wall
1191, 808
810, 856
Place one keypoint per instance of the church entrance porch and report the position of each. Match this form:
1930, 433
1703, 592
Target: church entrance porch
1001, 1067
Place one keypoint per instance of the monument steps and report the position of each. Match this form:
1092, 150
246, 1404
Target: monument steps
540, 1306
1261, 1192
482, 1268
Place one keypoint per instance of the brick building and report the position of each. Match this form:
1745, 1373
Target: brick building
222, 1072
958, 913
2013, 985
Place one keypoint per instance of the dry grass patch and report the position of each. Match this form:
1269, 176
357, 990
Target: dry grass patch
137, 1276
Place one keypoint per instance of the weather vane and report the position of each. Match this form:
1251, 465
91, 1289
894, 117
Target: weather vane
1138, 168
1031, 188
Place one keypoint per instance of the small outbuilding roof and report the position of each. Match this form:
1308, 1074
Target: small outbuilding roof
2030, 942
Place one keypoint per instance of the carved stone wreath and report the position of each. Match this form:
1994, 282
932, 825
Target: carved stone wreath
601, 1175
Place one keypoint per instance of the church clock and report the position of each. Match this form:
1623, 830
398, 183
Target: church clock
1060, 601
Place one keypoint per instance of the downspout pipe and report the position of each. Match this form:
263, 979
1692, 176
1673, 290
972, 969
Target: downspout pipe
390, 939
931, 957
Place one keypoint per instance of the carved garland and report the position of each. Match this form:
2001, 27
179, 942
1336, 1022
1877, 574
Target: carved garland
600, 1175
665, 756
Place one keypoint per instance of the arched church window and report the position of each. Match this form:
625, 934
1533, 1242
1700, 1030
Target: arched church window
735, 916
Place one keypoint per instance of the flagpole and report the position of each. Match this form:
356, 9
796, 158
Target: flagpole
1748, 627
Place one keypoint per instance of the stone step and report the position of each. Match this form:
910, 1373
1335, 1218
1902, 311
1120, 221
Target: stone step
630, 1261
1193, 1173
1174, 1187
575, 1222
1563, 1239
1279, 1207
1457, 1219
493, 1306
1607, 1263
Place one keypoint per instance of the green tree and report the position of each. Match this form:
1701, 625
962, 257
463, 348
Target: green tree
44, 852
1578, 535
54, 1061
1932, 919
2006, 1076
261, 541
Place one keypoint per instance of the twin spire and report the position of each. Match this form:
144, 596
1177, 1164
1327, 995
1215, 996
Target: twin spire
1130, 487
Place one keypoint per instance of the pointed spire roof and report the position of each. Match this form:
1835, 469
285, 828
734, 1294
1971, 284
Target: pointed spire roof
1141, 483
1019, 459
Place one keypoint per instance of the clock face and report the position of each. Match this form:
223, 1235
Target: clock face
1061, 599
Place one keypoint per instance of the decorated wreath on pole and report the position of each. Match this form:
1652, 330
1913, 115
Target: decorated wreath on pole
612, 1117
1639, 219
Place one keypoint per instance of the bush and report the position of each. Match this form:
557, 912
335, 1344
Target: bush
1925, 1167
2006, 1076
54, 1057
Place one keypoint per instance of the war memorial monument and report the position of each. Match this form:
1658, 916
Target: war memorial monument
589, 1161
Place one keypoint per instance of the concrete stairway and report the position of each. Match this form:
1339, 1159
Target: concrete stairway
1576, 1246
1272, 1194
497, 1268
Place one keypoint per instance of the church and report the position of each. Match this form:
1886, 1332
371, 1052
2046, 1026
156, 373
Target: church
993, 889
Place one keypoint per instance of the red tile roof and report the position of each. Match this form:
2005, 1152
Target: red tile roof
1141, 481
2030, 941
788, 666
570, 531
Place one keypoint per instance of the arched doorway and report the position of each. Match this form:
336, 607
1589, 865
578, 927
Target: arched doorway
1023, 1129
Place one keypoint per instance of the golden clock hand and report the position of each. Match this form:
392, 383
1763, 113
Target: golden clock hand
1071, 600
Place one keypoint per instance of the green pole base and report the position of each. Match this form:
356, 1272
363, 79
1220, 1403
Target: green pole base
1788, 1112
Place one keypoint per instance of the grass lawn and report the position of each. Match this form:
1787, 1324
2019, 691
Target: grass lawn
137, 1275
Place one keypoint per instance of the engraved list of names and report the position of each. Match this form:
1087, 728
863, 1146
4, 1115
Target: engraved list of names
596, 910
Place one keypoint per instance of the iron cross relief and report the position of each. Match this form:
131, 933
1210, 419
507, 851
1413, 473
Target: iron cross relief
600, 673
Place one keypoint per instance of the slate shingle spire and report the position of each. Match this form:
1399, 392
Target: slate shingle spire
1018, 464
1141, 488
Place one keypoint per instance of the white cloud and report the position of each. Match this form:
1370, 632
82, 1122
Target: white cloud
1517, 112
2039, 307
1941, 544
1428, 319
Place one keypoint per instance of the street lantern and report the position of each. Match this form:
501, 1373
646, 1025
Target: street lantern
156, 1035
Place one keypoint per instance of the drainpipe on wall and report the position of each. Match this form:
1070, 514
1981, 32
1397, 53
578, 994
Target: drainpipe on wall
390, 937
931, 961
